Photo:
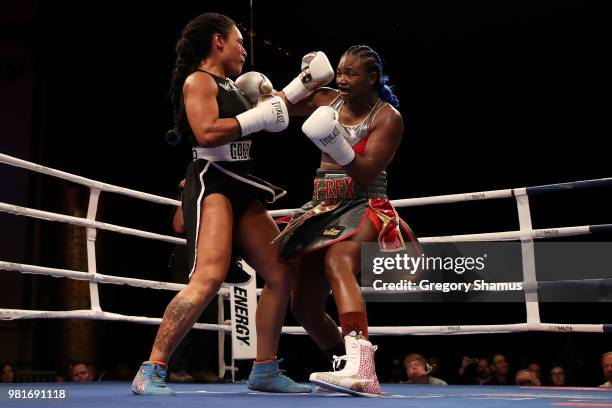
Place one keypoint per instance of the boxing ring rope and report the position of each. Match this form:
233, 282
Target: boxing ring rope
526, 235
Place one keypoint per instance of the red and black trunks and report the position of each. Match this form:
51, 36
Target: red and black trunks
338, 210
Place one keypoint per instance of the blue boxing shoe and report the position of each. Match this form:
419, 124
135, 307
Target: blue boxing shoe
151, 380
267, 377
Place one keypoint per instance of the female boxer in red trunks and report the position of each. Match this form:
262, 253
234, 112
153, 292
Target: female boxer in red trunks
359, 130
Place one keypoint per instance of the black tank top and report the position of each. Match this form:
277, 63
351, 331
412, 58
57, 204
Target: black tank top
231, 101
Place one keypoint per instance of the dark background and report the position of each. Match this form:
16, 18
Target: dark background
493, 94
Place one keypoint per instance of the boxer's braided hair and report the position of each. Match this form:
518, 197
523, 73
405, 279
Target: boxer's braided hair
373, 63
194, 44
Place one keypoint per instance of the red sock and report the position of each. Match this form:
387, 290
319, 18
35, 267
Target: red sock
264, 361
354, 321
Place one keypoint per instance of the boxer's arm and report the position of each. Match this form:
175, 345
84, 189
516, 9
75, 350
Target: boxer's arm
385, 137
321, 97
178, 222
316, 71
200, 96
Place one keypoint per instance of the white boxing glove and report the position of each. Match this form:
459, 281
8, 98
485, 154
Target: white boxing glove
323, 127
306, 59
270, 115
316, 72
254, 85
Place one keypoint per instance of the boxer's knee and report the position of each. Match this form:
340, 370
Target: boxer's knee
203, 283
279, 277
340, 261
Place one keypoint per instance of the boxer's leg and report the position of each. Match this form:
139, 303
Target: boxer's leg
254, 234
214, 247
342, 264
308, 301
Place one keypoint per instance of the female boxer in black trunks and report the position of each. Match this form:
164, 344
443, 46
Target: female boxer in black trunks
221, 201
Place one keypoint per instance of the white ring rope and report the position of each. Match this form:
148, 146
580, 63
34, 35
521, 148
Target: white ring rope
224, 291
84, 222
85, 181
99, 278
469, 329
489, 236
524, 234
17, 314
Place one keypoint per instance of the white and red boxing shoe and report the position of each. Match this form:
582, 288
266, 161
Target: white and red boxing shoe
358, 376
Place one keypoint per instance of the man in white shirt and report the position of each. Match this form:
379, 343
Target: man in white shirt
418, 371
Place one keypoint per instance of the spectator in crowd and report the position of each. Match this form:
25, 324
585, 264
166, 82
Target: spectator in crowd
475, 371
8, 374
93, 372
484, 373
536, 368
418, 371
500, 370
466, 373
80, 373
557, 376
606, 366
526, 377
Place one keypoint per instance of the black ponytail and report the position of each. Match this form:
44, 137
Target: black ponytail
194, 45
